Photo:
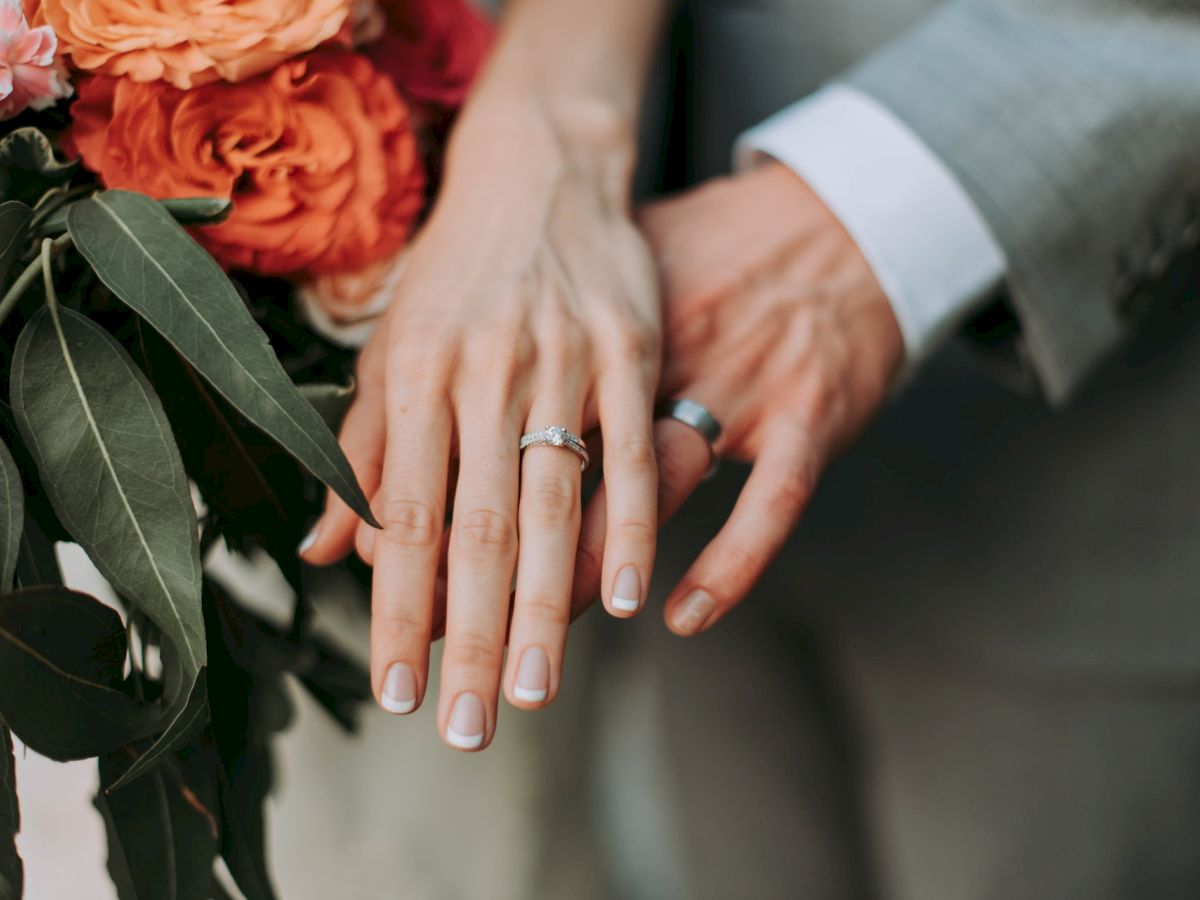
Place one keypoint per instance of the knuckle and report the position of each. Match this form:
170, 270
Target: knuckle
553, 499
546, 611
473, 649
566, 341
741, 564
567, 331
637, 532
401, 625
634, 341
425, 350
486, 530
792, 490
410, 523
824, 397
503, 350
636, 453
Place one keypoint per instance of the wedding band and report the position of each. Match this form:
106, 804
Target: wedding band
692, 414
698, 418
557, 436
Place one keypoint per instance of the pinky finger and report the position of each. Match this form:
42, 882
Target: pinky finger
770, 505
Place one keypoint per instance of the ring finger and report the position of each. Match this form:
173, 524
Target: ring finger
548, 516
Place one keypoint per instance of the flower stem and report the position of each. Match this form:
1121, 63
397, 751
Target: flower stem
48, 272
50, 207
39, 264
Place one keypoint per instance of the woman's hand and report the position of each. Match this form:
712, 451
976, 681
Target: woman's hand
775, 322
529, 300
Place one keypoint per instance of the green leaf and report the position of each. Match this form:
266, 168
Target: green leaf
251, 486
61, 660
332, 401
108, 463
28, 165
14, 233
37, 563
238, 740
185, 211
12, 515
144, 257
12, 873
162, 831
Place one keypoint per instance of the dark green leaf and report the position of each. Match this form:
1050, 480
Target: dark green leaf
12, 873
12, 517
240, 750
37, 563
61, 661
198, 210
187, 719
162, 830
254, 494
14, 233
243, 840
110, 467
144, 257
28, 165
330, 400
186, 211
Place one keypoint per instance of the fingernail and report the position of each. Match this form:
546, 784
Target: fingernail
693, 612
627, 590
465, 729
533, 676
399, 690
310, 539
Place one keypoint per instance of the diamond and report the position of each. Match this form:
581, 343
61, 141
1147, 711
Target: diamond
556, 435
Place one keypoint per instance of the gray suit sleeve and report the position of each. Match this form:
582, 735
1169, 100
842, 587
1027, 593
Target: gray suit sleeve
1075, 127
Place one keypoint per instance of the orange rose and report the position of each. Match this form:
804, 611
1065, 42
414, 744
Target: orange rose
187, 42
318, 156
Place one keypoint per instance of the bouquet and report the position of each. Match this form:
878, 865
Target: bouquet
187, 191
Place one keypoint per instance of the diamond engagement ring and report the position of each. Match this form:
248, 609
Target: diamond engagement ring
557, 436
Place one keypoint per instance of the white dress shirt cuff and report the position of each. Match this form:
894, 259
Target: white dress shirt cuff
931, 250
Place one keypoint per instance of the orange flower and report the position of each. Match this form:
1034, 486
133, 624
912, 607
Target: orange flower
187, 42
318, 156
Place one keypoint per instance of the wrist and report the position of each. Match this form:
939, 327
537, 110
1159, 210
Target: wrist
523, 138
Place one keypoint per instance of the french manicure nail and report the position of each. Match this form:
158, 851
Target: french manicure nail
627, 590
399, 690
465, 729
310, 539
533, 676
693, 612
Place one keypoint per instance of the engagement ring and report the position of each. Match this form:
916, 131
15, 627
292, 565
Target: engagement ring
557, 436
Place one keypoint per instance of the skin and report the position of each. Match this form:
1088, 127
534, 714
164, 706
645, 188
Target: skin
775, 322
529, 299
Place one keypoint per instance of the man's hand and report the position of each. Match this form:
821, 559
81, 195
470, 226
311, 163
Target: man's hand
775, 322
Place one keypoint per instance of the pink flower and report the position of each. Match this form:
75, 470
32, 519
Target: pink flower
30, 76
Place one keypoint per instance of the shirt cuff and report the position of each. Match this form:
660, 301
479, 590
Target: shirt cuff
933, 253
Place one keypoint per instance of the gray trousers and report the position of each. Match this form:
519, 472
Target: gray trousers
785, 757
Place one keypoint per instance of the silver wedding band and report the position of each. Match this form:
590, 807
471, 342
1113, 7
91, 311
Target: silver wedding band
557, 436
698, 418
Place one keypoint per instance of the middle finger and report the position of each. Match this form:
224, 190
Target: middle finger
482, 553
